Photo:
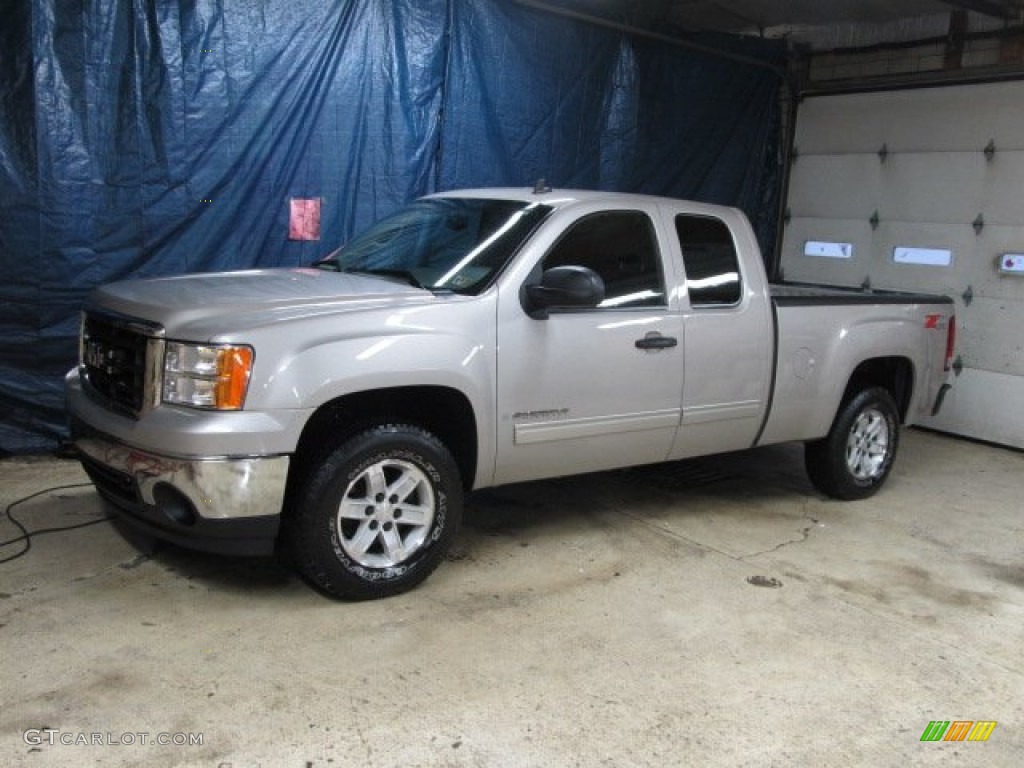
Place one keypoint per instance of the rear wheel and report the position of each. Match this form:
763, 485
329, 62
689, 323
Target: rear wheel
377, 515
854, 459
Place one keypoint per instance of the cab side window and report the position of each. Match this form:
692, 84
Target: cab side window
709, 256
621, 247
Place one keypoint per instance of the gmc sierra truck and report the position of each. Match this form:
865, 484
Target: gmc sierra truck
339, 413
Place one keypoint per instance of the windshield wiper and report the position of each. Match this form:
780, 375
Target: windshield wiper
402, 274
330, 261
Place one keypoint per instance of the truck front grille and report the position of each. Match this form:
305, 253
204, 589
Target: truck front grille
114, 360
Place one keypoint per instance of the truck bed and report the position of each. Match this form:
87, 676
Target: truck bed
807, 294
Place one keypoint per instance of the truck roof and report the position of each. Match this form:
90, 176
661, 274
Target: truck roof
562, 197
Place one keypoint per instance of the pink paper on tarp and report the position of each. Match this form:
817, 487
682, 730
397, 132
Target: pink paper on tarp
304, 218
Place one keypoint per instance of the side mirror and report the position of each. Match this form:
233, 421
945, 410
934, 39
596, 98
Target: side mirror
562, 287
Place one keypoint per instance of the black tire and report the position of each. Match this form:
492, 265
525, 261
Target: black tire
854, 459
350, 529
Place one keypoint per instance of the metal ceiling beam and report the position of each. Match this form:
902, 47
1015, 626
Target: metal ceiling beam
985, 7
597, 21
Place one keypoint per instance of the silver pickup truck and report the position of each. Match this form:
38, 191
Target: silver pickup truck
339, 413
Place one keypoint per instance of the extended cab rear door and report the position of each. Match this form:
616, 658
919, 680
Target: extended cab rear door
729, 329
595, 388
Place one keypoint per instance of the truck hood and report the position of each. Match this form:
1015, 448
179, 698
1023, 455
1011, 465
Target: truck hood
201, 305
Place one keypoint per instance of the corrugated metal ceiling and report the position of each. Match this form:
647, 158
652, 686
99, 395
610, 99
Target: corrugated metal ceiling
749, 16
819, 25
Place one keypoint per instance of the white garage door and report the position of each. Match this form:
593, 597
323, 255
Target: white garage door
896, 188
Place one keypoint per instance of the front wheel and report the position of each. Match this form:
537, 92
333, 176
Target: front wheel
377, 515
854, 459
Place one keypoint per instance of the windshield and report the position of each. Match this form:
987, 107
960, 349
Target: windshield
442, 243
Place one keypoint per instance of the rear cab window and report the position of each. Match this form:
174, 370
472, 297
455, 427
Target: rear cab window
713, 277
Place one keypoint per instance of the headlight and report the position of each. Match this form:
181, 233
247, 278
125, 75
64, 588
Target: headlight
206, 376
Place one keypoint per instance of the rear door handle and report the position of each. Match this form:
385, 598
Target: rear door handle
655, 340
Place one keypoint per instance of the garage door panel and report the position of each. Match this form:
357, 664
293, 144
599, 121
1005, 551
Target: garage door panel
982, 273
952, 188
921, 187
989, 337
973, 265
816, 269
873, 254
977, 407
815, 193
836, 126
887, 273
1003, 188
924, 120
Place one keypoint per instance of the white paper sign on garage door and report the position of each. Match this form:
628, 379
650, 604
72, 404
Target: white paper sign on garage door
877, 172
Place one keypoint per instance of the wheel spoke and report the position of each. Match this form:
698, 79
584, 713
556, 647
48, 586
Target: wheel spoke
404, 485
393, 544
353, 509
415, 515
873, 428
363, 539
376, 483
858, 464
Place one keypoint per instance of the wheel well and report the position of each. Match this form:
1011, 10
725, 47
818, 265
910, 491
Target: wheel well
895, 374
442, 411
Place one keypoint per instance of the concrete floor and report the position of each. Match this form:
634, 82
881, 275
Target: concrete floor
606, 620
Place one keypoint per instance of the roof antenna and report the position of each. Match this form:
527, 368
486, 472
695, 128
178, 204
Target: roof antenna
541, 187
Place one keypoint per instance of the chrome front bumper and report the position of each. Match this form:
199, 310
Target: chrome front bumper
229, 505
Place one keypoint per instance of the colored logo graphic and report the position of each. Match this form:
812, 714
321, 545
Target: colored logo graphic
958, 730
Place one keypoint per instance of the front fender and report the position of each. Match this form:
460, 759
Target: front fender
320, 374
300, 367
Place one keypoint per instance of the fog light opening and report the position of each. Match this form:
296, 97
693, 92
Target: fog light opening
174, 504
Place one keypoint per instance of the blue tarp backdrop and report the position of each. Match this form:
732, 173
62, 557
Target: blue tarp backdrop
150, 138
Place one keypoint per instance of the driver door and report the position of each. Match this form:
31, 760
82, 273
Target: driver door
587, 389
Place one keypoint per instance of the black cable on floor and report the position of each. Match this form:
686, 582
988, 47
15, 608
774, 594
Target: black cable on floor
26, 535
